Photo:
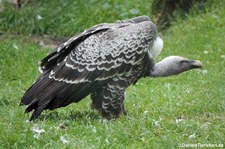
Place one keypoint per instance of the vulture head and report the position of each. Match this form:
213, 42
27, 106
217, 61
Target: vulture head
173, 65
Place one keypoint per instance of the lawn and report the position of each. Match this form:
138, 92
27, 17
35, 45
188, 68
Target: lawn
187, 109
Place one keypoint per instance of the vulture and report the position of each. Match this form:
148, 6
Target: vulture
102, 62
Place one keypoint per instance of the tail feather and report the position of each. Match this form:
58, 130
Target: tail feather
47, 93
31, 107
38, 111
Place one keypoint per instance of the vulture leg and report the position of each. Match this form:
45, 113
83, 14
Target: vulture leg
96, 99
108, 99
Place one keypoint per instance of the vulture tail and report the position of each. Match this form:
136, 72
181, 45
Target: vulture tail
47, 93
39, 95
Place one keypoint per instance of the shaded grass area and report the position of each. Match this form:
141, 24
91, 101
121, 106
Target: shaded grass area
162, 113
64, 18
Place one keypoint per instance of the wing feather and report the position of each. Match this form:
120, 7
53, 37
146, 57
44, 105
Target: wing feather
101, 55
65, 48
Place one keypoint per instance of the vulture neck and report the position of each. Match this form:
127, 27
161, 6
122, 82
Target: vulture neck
162, 70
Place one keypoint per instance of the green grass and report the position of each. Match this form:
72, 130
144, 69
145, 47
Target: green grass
64, 18
196, 99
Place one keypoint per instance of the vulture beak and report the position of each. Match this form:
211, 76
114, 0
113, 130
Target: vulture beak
196, 64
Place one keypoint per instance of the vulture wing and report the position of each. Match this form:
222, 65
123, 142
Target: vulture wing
87, 61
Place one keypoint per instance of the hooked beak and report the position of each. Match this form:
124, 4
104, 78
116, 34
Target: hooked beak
196, 64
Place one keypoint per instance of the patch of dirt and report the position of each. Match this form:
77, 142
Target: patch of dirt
46, 41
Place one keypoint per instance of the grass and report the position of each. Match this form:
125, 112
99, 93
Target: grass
64, 18
163, 113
